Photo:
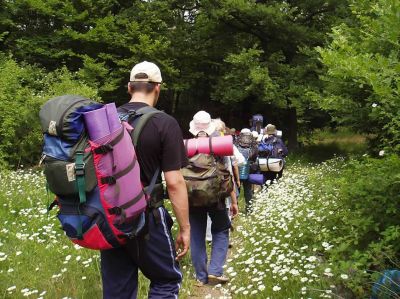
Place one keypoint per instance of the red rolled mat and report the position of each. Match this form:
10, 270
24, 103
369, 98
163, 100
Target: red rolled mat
221, 146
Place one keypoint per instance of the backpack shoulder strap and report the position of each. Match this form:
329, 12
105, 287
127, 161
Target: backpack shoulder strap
143, 116
140, 118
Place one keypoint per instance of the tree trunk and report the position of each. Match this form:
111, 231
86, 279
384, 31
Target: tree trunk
292, 129
175, 102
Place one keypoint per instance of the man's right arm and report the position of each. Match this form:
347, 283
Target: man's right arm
179, 198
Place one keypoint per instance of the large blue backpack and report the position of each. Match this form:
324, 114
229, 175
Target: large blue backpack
73, 173
270, 148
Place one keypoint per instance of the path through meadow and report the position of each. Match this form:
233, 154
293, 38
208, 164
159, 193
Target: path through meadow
278, 250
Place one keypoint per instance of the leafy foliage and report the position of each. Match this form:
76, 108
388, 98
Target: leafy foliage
23, 89
271, 57
364, 197
362, 78
254, 50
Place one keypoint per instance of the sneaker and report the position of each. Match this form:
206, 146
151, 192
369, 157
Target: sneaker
212, 279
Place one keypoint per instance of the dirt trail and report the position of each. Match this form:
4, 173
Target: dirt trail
207, 291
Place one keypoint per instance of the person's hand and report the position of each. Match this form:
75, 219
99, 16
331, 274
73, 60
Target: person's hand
182, 243
234, 210
238, 184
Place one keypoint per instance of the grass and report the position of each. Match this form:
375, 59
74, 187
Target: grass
280, 246
36, 259
325, 144
269, 259
278, 250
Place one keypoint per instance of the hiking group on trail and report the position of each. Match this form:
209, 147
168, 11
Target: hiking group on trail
105, 166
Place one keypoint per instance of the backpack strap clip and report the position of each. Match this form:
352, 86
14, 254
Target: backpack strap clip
118, 211
108, 147
115, 211
103, 149
109, 180
80, 176
112, 179
80, 169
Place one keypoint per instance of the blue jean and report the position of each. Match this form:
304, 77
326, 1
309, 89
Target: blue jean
155, 257
248, 193
220, 225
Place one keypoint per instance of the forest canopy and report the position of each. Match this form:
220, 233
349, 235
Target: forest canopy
303, 64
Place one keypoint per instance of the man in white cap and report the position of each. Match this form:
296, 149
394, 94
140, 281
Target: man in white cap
159, 148
202, 126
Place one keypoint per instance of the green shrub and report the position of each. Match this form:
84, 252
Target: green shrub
23, 89
365, 224
361, 79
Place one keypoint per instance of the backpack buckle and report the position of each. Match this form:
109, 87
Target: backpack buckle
80, 169
129, 116
103, 149
115, 211
109, 180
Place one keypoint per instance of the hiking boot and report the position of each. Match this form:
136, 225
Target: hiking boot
212, 279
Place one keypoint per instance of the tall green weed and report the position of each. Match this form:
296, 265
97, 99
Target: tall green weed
364, 196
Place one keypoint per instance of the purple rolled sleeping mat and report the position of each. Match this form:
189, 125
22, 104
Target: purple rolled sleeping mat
257, 179
116, 163
102, 122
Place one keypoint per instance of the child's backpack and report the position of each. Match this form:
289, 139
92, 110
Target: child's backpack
208, 180
97, 209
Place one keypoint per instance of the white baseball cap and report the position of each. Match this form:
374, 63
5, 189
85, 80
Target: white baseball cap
146, 72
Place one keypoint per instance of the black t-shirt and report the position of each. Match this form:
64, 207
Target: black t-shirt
160, 144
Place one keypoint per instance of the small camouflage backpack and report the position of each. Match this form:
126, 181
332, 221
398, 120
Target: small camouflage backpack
208, 181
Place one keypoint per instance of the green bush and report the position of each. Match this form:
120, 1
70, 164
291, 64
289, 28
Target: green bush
362, 72
23, 89
365, 223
